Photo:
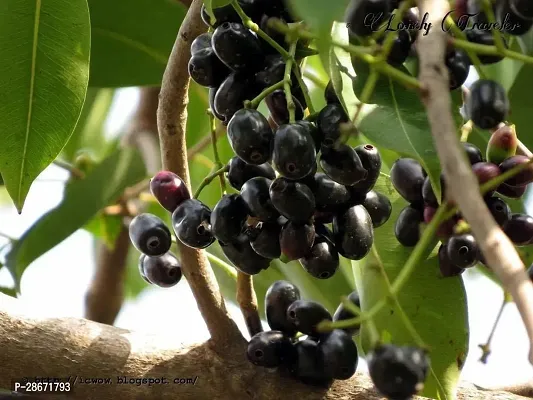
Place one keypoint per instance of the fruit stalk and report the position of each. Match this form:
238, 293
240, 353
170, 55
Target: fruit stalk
463, 186
209, 178
248, 303
172, 123
291, 107
218, 163
75, 172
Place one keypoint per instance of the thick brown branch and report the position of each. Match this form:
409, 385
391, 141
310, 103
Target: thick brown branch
248, 303
461, 184
79, 348
172, 124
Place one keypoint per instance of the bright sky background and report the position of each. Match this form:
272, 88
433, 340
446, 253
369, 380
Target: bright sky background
55, 285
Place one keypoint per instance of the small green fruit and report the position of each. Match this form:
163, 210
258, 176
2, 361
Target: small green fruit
502, 144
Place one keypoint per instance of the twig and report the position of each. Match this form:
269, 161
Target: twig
172, 124
248, 303
209, 178
486, 347
75, 172
462, 185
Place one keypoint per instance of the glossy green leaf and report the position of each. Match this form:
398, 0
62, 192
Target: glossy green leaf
132, 40
82, 200
505, 71
436, 306
89, 135
44, 69
520, 99
105, 227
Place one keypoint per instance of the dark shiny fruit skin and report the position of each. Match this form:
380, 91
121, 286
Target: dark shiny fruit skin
228, 218
212, 94
323, 217
428, 195
485, 38
342, 164
323, 260
224, 14
499, 209
243, 257
271, 72
255, 193
446, 267
407, 226
398, 372
315, 133
446, 228
306, 315
519, 229
201, 42
232, 93
485, 172
191, 223
339, 354
240, 172
378, 207
206, 69
407, 177
517, 24
250, 136
342, 313
296, 240
149, 234
279, 296
169, 190
293, 200
307, 364
329, 195
473, 153
458, 64
353, 232
487, 104
511, 191
400, 48
371, 160
522, 178
294, 154
462, 250
236, 46
265, 240
329, 122
268, 349
522, 8
277, 105
357, 15
163, 271
330, 95
141, 268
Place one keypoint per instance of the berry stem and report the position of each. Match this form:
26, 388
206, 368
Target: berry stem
315, 79
498, 41
471, 54
247, 22
486, 346
75, 172
375, 337
224, 266
291, 107
466, 130
490, 50
218, 163
254, 103
303, 86
209, 178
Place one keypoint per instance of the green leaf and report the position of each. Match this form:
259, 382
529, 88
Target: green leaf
436, 306
82, 200
519, 97
44, 69
89, 134
9, 291
105, 227
132, 40
505, 71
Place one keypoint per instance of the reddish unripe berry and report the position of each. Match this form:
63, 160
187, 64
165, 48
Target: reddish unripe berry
169, 190
445, 229
511, 191
485, 171
522, 178
502, 145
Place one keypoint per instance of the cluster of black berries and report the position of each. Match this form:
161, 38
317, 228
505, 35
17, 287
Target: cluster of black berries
236, 65
314, 358
317, 358
459, 249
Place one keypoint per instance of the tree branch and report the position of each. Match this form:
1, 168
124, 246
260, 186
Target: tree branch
248, 303
172, 124
105, 295
70, 347
461, 184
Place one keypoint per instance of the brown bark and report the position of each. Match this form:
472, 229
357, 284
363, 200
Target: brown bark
172, 124
247, 301
69, 347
